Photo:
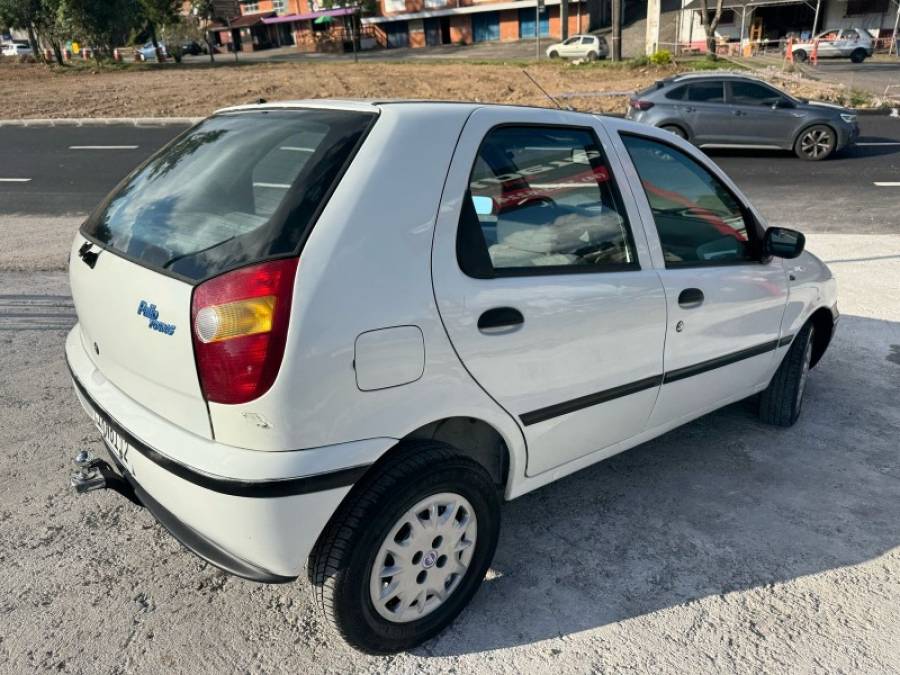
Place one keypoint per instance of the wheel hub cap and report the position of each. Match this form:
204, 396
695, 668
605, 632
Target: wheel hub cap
424, 557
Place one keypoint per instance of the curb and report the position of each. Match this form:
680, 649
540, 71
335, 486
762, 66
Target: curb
102, 121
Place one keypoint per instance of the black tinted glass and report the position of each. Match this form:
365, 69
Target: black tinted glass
750, 93
706, 92
236, 189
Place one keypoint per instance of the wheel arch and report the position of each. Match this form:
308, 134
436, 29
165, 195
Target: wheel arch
689, 134
823, 329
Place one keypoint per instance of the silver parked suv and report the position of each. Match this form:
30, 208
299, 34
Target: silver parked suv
731, 110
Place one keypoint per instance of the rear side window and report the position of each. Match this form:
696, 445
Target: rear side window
236, 189
699, 220
706, 92
677, 94
542, 200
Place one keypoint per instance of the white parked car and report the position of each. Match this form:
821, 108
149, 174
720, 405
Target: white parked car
16, 49
147, 52
587, 47
336, 335
838, 43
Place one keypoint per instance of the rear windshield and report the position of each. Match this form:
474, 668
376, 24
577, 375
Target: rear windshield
236, 189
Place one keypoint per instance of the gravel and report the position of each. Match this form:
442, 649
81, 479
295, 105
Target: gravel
723, 546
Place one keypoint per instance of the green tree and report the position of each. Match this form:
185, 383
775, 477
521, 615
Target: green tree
159, 13
102, 24
38, 17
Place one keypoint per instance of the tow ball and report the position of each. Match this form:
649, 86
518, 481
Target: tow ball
96, 474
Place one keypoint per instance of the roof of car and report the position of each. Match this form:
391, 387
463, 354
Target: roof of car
706, 74
370, 105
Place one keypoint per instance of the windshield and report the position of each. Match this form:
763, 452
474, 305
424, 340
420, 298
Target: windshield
236, 189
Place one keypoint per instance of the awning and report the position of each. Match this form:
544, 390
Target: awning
284, 18
470, 9
739, 4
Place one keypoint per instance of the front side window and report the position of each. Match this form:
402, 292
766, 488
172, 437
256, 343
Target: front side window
542, 197
699, 220
750, 93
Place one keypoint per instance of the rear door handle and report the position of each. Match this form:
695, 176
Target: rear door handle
690, 298
500, 320
739, 113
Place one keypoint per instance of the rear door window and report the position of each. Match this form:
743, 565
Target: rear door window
542, 200
706, 92
236, 189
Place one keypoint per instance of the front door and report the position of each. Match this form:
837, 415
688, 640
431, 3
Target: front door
543, 281
758, 119
724, 306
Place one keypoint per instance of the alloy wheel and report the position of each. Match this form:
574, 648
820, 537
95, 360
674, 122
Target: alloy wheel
424, 557
816, 143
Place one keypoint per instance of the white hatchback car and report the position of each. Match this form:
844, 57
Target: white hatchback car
588, 47
334, 335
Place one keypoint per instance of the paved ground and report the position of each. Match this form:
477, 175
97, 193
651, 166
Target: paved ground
724, 546
874, 76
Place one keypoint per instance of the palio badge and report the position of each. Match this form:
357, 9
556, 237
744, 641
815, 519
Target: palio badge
149, 311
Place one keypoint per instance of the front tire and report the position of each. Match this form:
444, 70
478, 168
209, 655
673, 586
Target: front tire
407, 550
554, 54
800, 56
781, 402
815, 143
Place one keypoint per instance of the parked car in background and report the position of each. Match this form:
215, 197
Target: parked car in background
328, 338
147, 52
587, 47
732, 110
16, 49
839, 43
193, 48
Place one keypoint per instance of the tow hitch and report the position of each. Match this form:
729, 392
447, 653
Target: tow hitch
96, 474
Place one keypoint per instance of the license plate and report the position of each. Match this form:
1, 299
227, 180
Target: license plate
114, 441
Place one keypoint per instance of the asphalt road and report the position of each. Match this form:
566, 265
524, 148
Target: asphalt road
70, 169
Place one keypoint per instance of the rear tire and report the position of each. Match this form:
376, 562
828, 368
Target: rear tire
781, 402
815, 143
675, 129
592, 56
800, 56
858, 55
378, 529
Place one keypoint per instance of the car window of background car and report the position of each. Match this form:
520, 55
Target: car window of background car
552, 203
698, 219
751, 93
677, 94
706, 92
587, 40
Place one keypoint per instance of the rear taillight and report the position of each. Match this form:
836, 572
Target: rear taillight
638, 104
240, 322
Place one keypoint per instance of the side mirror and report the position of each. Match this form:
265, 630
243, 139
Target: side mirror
484, 206
782, 242
783, 103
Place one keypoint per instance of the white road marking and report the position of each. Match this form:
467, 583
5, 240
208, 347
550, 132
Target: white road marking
887, 184
14, 180
103, 147
296, 148
879, 143
279, 186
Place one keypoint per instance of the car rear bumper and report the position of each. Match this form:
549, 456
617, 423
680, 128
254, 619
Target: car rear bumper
258, 526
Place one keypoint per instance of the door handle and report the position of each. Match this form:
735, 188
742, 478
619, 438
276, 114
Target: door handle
686, 108
690, 298
738, 113
500, 320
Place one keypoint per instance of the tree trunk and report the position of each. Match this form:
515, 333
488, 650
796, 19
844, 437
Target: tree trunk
211, 48
35, 47
57, 52
159, 56
710, 24
564, 19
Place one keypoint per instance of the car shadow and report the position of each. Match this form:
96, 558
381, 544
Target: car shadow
724, 504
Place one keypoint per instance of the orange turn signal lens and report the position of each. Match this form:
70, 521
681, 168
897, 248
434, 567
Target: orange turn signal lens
235, 319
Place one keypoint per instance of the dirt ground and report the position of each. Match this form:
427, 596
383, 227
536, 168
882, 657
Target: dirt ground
37, 91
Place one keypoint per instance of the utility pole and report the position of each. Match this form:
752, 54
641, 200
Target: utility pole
616, 30
564, 19
538, 8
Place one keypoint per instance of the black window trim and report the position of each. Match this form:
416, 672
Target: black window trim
551, 270
753, 224
326, 198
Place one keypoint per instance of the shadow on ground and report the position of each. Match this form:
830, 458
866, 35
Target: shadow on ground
723, 504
